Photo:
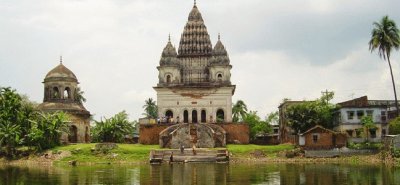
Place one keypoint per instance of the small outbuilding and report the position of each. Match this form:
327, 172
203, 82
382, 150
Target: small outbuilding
319, 137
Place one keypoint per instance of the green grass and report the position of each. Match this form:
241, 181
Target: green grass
269, 150
133, 153
125, 153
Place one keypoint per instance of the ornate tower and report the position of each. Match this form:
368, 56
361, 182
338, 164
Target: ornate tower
61, 93
194, 83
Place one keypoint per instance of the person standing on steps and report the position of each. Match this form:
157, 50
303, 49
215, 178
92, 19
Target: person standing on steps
182, 149
171, 158
194, 149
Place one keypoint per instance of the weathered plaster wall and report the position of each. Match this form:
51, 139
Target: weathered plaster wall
209, 99
83, 129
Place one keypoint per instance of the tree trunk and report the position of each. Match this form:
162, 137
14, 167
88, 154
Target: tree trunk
394, 86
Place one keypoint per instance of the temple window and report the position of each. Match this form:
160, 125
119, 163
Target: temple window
168, 78
219, 77
67, 93
56, 93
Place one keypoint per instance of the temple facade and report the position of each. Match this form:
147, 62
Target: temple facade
195, 81
61, 93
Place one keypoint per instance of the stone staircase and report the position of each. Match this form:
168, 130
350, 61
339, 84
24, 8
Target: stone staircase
200, 155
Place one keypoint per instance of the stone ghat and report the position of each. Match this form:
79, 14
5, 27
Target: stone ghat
199, 155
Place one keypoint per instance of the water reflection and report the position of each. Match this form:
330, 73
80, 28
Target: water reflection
291, 174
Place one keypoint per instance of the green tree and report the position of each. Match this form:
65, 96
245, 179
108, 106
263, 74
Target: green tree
113, 129
368, 124
303, 116
239, 111
10, 137
394, 126
47, 129
150, 108
257, 126
10, 118
79, 96
385, 37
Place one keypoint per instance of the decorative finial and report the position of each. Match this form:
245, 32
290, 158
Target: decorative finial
60, 59
169, 37
219, 36
194, 2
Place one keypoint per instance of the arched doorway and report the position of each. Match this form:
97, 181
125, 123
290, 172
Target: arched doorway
56, 93
168, 79
169, 114
185, 116
194, 116
220, 116
67, 93
203, 116
73, 134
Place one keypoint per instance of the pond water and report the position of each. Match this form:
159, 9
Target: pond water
207, 174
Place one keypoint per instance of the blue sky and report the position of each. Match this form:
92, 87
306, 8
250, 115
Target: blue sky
278, 48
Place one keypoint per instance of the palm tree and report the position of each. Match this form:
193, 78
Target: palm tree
239, 111
79, 95
150, 108
385, 37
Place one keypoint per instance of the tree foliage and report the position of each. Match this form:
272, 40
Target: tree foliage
368, 123
394, 126
257, 126
303, 116
22, 124
79, 96
385, 37
113, 129
46, 130
150, 108
239, 111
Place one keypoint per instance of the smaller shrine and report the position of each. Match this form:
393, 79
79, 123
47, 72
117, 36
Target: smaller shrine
61, 93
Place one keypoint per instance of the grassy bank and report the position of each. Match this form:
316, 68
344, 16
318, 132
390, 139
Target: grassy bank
136, 153
125, 153
246, 151
133, 153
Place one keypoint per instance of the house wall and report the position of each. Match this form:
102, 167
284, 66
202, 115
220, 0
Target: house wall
324, 140
346, 125
377, 116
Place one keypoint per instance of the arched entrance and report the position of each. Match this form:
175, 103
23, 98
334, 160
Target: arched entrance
73, 134
169, 114
203, 116
194, 116
220, 116
185, 116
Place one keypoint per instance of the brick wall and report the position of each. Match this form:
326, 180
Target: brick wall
149, 133
324, 140
236, 131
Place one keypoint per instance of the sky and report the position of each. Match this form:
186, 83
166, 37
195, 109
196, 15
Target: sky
278, 48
